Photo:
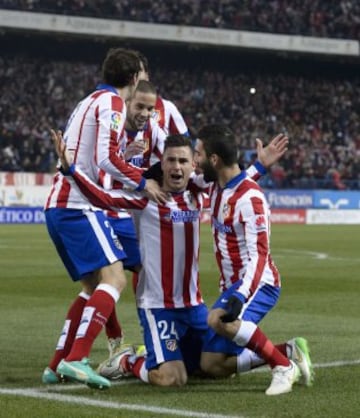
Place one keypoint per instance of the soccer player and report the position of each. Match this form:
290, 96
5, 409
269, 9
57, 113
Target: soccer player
249, 279
166, 114
81, 233
142, 145
164, 335
168, 297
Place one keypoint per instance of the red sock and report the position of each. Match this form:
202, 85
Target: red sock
138, 369
94, 318
113, 327
282, 348
266, 349
137, 366
69, 330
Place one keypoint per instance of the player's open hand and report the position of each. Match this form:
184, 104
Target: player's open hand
134, 148
272, 153
64, 155
154, 192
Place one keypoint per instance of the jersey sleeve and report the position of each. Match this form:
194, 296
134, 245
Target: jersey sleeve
158, 139
197, 183
176, 124
256, 170
111, 120
106, 199
254, 216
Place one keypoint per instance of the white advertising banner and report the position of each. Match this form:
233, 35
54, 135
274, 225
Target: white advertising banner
12, 196
186, 34
333, 216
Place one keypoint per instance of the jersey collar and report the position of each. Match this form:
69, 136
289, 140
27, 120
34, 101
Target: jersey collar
235, 180
103, 86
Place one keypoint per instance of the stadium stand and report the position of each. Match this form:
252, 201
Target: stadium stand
320, 18
315, 102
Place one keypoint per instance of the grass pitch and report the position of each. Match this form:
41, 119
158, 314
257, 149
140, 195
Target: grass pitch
319, 266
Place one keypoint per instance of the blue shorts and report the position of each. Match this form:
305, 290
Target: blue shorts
174, 334
125, 230
84, 240
261, 302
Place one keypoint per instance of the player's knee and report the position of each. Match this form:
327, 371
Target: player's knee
178, 380
170, 378
213, 365
210, 368
114, 275
172, 373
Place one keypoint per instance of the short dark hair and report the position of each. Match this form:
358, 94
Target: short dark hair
144, 61
220, 140
178, 140
120, 66
145, 86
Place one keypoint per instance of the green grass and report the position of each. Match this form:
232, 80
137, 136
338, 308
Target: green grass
319, 266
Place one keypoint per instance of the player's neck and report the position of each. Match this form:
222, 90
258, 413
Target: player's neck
227, 173
124, 92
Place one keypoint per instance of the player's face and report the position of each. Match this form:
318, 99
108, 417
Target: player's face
139, 109
177, 165
203, 164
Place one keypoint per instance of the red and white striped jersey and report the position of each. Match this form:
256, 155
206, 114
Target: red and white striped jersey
154, 138
241, 230
92, 134
167, 115
168, 240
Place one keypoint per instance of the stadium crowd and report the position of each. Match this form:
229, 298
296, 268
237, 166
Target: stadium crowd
320, 116
320, 18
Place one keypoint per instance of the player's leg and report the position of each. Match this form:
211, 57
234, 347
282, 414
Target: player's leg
73, 316
246, 333
163, 364
88, 242
66, 338
125, 231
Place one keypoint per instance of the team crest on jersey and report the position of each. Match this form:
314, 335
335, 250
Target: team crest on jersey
156, 115
226, 210
115, 121
171, 345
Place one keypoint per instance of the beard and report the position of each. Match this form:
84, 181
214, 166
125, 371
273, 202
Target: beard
210, 174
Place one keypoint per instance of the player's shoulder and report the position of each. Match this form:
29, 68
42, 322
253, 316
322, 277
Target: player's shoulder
247, 189
166, 103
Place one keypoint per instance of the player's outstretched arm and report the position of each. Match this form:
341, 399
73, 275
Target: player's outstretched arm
272, 153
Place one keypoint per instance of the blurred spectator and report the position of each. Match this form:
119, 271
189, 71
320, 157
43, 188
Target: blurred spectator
320, 18
319, 115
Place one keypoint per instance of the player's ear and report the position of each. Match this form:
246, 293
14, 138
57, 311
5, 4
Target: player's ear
214, 159
135, 79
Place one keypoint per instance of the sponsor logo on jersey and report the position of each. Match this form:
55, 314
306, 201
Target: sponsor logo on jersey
115, 121
226, 211
184, 216
222, 228
171, 345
